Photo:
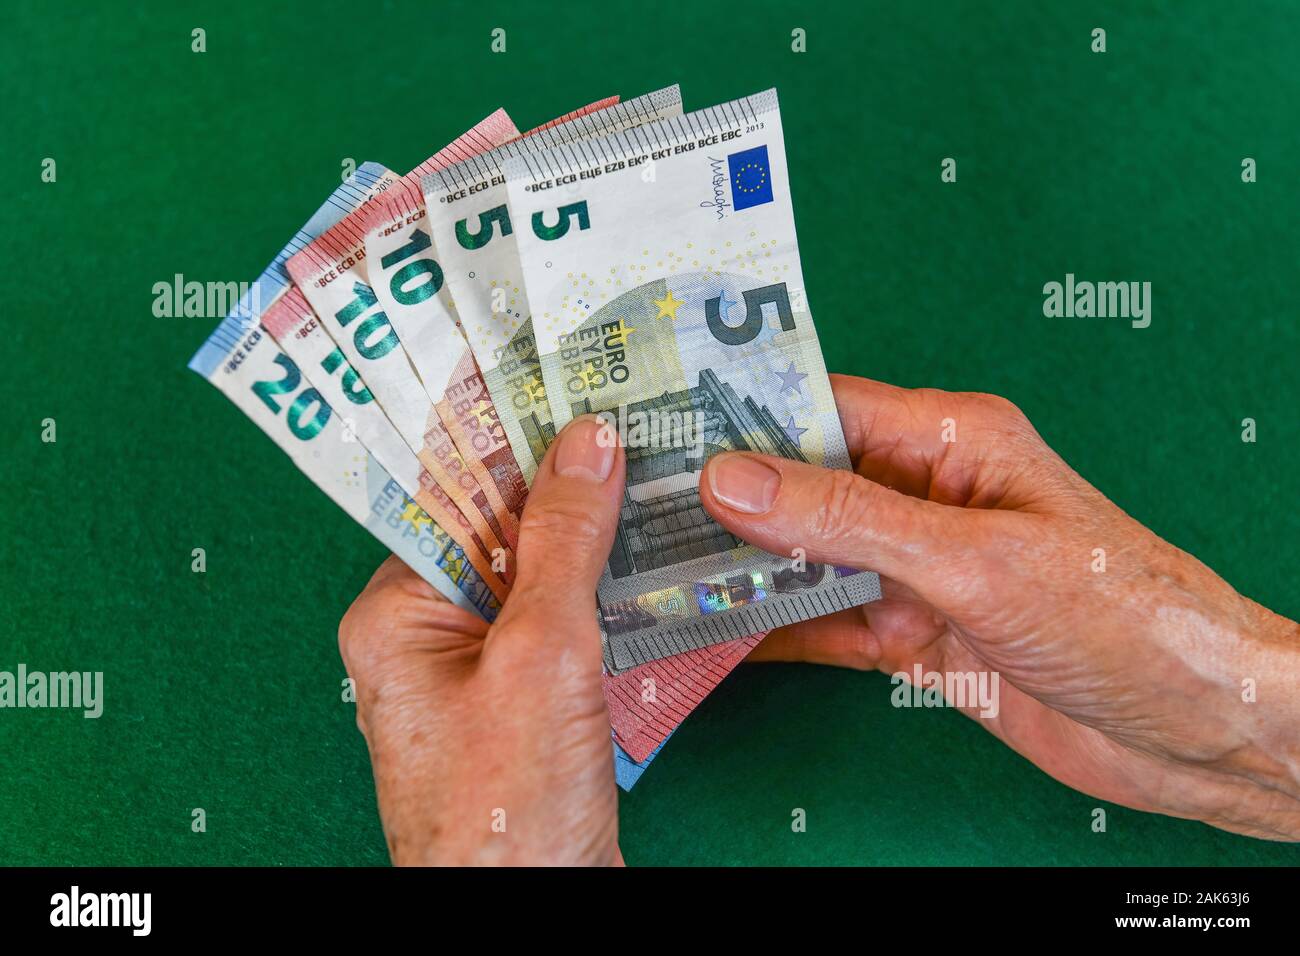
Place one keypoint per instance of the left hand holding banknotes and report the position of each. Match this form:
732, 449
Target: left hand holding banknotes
491, 744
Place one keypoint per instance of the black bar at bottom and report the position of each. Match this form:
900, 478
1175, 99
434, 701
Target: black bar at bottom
970, 905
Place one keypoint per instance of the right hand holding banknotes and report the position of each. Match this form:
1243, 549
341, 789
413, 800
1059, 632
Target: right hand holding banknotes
1123, 679
1128, 669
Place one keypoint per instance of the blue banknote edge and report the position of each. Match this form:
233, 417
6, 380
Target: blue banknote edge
275, 277
626, 770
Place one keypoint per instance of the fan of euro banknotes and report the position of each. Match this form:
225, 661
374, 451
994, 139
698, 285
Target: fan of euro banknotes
416, 345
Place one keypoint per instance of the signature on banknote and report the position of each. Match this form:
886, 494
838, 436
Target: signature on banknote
719, 200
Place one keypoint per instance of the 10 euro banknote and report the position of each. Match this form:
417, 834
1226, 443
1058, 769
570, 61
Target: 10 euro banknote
663, 280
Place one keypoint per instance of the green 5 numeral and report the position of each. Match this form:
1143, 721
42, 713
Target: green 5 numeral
477, 240
574, 210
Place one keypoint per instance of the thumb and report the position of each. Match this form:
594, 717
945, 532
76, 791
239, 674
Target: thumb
565, 536
834, 515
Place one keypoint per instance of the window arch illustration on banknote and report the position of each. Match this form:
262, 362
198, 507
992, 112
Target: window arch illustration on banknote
662, 521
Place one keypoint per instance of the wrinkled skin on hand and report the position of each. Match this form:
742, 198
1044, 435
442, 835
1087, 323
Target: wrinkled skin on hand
491, 744
1125, 683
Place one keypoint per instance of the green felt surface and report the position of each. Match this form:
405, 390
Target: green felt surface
223, 688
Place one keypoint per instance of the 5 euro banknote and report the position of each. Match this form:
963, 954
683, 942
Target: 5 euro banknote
664, 284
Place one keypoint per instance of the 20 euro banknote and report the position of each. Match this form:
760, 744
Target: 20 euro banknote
664, 283
242, 360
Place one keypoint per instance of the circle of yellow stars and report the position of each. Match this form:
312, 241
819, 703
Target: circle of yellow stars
762, 177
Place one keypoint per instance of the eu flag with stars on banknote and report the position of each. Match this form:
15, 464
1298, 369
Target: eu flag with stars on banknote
751, 179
